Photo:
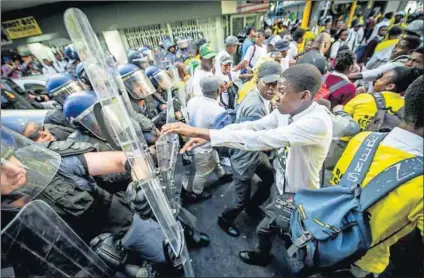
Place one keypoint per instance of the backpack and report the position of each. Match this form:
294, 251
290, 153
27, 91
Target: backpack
225, 118
329, 227
325, 92
382, 120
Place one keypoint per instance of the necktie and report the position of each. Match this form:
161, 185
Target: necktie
282, 159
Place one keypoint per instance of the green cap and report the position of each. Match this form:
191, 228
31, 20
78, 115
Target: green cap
206, 51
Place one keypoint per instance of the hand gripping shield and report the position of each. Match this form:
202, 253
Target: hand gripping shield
105, 77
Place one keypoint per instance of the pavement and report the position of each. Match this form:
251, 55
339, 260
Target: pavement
220, 258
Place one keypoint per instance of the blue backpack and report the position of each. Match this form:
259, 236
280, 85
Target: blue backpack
225, 118
329, 227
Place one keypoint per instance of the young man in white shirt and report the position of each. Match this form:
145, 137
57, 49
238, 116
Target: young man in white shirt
202, 111
256, 51
207, 63
308, 139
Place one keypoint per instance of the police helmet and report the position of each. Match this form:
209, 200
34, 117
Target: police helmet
146, 51
138, 59
60, 86
79, 111
136, 82
71, 53
82, 75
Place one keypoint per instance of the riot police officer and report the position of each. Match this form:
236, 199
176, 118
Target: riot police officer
138, 59
32, 171
59, 87
73, 58
171, 51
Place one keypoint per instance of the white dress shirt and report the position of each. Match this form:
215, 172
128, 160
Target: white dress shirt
253, 55
198, 75
60, 66
309, 138
202, 112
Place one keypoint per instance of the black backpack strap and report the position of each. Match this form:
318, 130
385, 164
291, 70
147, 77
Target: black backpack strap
390, 179
361, 162
253, 54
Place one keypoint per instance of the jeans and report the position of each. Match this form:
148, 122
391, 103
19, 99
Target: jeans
243, 187
146, 238
206, 163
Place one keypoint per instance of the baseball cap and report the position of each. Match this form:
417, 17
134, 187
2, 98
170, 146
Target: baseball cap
314, 58
269, 71
232, 40
209, 84
415, 27
282, 45
226, 59
206, 51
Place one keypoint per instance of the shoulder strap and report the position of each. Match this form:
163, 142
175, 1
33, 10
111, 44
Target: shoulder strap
338, 85
253, 54
361, 162
390, 179
377, 122
379, 101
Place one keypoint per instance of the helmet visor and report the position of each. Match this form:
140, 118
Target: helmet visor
138, 85
163, 79
88, 120
61, 93
26, 168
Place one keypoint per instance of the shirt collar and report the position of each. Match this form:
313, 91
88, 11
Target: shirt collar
339, 74
413, 140
305, 112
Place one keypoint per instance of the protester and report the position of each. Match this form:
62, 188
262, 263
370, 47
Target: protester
356, 35
256, 51
231, 44
307, 138
383, 49
203, 111
248, 41
48, 68
340, 88
60, 63
416, 58
283, 46
254, 106
398, 57
389, 223
343, 35
371, 45
207, 55
228, 90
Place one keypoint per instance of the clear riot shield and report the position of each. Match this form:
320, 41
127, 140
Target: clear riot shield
37, 242
103, 76
159, 57
26, 169
17, 120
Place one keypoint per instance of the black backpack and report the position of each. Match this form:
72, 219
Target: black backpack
384, 121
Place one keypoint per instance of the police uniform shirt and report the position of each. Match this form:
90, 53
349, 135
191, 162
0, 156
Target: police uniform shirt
309, 138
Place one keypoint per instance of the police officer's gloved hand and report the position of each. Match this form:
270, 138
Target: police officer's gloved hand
138, 200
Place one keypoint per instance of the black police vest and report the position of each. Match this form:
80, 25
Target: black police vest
56, 117
60, 132
88, 213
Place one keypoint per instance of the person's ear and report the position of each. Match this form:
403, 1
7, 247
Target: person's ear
391, 87
306, 95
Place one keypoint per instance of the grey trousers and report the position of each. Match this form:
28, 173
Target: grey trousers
243, 187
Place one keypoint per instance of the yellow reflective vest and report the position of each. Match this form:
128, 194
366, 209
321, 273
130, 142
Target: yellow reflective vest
394, 216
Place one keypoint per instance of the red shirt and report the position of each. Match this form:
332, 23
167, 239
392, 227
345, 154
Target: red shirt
341, 95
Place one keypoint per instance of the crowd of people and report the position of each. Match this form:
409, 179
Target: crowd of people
16, 66
300, 104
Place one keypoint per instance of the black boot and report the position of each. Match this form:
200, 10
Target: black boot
195, 239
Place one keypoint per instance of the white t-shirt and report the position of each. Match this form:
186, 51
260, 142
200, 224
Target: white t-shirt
198, 75
202, 112
254, 55
285, 62
292, 52
308, 138
225, 78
